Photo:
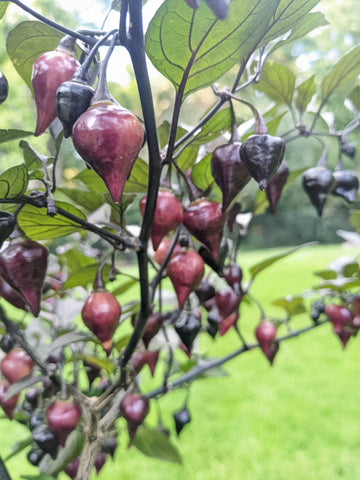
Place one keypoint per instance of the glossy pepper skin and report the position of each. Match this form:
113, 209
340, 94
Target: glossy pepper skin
73, 98
229, 172
205, 220
23, 266
49, 71
109, 137
262, 155
346, 185
317, 183
7, 225
4, 88
276, 185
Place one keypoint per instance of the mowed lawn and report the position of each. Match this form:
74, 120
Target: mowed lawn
297, 420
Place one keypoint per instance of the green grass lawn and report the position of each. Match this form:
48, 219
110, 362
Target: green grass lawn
294, 421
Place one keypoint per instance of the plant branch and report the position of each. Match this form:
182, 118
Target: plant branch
204, 367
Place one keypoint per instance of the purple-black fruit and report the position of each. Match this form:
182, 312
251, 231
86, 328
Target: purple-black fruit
266, 334
62, 417
35, 456
7, 225
181, 418
205, 220
23, 266
275, 186
262, 155
346, 185
7, 343
4, 88
317, 183
219, 8
187, 327
134, 408
229, 172
49, 71
7, 404
46, 440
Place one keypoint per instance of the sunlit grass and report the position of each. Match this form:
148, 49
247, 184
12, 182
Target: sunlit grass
296, 420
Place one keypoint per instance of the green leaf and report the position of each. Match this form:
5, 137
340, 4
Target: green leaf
343, 74
121, 343
12, 134
74, 260
73, 448
88, 200
304, 26
216, 126
259, 267
278, 82
287, 16
84, 276
13, 182
187, 158
326, 274
124, 286
37, 225
305, 92
355, 219
26, 42
23, 383
192, 48
293, 305
261, 203
31, 160
42, 476
338, 285
273, 125
201, 173
18, 447
164, 132
138, 179
3, 7
354, 97
156, 444
93, 182
350, 269
101, 363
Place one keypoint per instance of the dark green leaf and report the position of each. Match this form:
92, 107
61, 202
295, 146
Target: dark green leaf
273, 125
193, 48
37, 225
7, 135
326, 274
343, 74
201, 173
156, 444
338, 285
305, 92
88, 200
3, 7
94, 183
23, 383
74, 260
139, 176
18, 447
350, 269
305, 25
287, 16
73, 448
121, 343
84, 276
164, 132
293, 305
116, 5
101, 363
42, 476
13, 182
26, 42
278, 82
259, 267
354, 97
217, 125
124, 286
187, 158
118, 209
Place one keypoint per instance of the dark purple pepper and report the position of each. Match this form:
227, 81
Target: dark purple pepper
347, 148
229, 172
231, 216
212, 327
346, 185
46, 440
187, 327
194, 4
233, 275
275, 186
4, 88
219, 8
109, 446
11, 296
182, 418
205, 291
7, 225
72, 100
317, 183
7, 343
35, 456
262, 155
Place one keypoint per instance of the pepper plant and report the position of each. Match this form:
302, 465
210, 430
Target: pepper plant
79, 382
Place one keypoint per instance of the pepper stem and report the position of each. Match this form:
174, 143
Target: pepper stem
102, 93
